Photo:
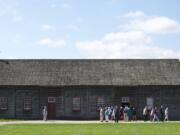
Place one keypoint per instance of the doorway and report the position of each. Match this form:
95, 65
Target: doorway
125, 104
51, 108
125, 101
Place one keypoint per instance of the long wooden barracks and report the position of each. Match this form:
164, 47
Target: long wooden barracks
75, 89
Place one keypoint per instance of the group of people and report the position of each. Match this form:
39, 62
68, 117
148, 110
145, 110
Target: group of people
153, 114
117, 113
129, 113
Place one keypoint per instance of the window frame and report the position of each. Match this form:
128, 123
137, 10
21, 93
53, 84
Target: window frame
3, 103
27, 104
76, 104
100, 102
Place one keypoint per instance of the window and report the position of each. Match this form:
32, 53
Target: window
27, 103
3, 103
92, 103
100, 102
76, 104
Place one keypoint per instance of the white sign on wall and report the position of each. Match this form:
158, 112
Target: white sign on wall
125, 100
51, 99
150, 102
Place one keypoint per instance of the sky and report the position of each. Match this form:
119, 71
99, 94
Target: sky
89, 29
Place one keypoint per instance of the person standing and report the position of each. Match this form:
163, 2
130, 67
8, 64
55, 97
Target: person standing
106, 114
116, 114
101, 114
161, 113
113, 113
121, 113
109, 113
134, 113
145, 113
130, 113
126, 109
166, 114
152, 114
112, 117
155, 117
44, 113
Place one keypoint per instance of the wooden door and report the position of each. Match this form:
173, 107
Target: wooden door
51, 108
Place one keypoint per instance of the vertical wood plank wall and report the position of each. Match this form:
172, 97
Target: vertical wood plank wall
163, 95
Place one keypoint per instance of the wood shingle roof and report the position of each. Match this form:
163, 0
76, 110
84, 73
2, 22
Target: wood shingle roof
117, 72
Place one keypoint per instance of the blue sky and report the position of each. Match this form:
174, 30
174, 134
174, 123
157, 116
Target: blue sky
61, 29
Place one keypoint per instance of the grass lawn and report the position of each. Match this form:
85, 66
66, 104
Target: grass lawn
7, 120
91, 129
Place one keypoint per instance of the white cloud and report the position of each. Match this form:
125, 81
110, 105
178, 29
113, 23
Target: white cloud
66, 6
151, 24
132, 44
46, 27
135, 41
135, 14
52, 42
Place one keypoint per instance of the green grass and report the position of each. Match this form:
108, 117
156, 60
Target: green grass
91, 129
7, 120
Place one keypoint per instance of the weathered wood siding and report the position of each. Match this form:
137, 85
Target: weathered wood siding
20, 112
104, 92
10, 94
162, 95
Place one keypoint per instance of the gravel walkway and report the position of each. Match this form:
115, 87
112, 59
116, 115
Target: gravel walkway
73, 122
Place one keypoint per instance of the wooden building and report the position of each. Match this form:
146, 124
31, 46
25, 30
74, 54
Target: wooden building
74, 89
